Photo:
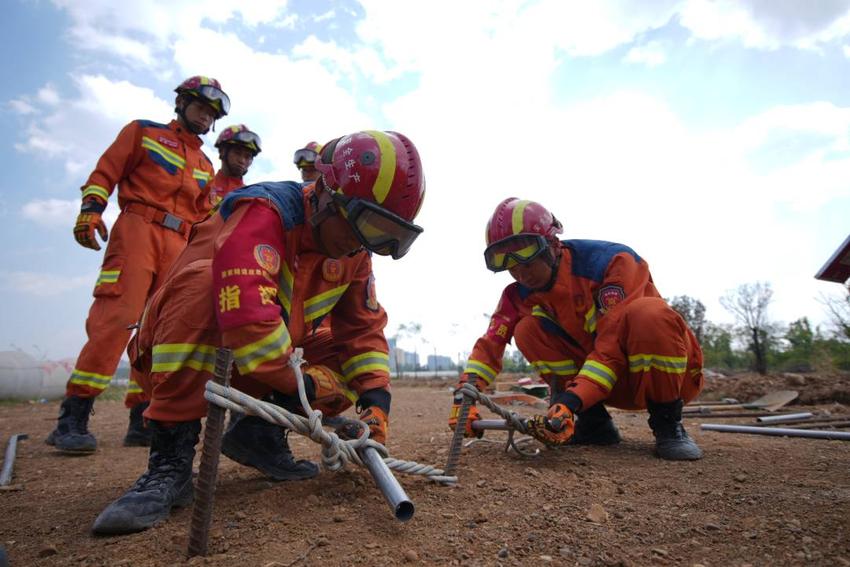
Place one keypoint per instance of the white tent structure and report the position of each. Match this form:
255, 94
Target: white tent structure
22, 377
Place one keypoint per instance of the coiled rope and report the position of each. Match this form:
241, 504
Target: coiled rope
336, 452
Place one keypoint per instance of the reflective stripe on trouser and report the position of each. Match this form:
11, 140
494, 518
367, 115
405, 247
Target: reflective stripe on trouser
661, 361
178, 394
143, 252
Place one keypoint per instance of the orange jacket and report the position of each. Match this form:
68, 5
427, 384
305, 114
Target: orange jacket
256, 264
222, 185
160, 165
595, 279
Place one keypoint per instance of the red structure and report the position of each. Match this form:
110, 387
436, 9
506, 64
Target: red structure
837, 268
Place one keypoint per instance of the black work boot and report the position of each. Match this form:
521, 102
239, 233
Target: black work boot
138, 435
254, 442
671, 440
72, 428
167, 482
595, 427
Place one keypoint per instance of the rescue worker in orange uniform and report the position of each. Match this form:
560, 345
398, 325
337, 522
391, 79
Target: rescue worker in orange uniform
163, 187
258, 277
305, 159
587, 316
237, 148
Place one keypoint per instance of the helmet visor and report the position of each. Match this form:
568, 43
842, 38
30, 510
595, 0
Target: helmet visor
514, 250
247, 139
304, 158
215, 97
377, 229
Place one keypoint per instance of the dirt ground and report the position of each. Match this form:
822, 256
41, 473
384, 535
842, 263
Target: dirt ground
752, 500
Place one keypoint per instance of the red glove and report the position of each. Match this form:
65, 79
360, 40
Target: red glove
472, 416
555, 428
87, 224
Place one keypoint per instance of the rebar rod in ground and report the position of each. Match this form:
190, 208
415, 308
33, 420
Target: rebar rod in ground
457, 438
9, 459
199, 531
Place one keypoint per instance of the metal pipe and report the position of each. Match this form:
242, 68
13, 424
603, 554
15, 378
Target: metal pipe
779, 431
389, 486
490, 424
788, 417
9, 459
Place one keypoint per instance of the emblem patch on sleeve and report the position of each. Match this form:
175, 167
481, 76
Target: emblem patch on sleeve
609, 296
331, 270
267, 257
371, 296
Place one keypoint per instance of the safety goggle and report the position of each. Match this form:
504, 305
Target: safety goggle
215, 97
305, 157
249, 139
514, 250
377, 229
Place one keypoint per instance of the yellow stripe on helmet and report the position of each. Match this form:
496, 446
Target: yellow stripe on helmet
386, 173
516, 216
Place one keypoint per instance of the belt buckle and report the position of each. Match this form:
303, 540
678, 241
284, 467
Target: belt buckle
172, 222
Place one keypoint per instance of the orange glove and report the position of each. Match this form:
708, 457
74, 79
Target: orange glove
555, 428
375, 418
87, 224
472, 416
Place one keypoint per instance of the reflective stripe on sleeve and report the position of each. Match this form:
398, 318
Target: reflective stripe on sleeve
480, 369
90, 379
558, 367
373, 361
272, 346
670, 364
599, 373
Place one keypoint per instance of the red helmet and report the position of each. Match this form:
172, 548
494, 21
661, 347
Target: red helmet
516, 216
208, 90
377, 178
518, 232
307, 155
240, 135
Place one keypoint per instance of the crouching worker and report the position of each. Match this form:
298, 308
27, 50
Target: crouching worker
587, 316
258, 277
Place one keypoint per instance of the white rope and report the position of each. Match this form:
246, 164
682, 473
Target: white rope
515, 421
336, 452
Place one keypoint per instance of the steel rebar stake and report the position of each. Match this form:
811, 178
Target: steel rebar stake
199, 530
457, 438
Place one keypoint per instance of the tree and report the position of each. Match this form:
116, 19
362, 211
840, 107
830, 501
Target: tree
693, 312
838, 309
749, 305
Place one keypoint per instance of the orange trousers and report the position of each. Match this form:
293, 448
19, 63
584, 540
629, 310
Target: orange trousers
179, 395
648, 326
137, 258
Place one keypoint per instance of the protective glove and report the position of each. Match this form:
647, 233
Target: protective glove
377, 421
87, 224
472, 416
555, 428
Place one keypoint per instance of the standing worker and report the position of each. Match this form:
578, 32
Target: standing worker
163, 187
304, 160
587, 316
237, 148
258, 277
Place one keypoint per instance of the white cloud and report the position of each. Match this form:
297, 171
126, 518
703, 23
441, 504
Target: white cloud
48, 95
43, 284
21, 106
59, 213
768, 24
651, 54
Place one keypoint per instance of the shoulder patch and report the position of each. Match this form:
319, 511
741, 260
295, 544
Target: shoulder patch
609, 296
267, 257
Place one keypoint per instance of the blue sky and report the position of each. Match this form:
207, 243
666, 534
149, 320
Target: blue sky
712, 137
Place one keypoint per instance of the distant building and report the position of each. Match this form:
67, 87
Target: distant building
439, 362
